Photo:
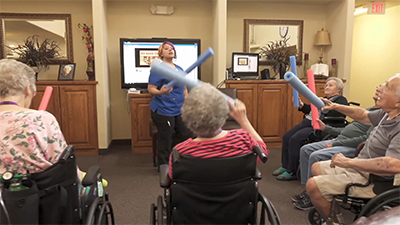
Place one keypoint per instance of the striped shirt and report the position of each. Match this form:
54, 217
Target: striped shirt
235, 142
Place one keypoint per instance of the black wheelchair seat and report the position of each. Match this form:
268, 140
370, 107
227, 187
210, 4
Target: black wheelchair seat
58, 200
212, 191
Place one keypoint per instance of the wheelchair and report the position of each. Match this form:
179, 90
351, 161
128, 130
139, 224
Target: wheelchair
388, 197
54, 196
207, 191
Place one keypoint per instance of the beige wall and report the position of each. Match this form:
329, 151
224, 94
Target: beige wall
314, 17
192, 19
340, 25
81, 12
376, 53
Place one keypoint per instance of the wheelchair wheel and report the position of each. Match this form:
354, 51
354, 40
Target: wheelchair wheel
382, 202
105, 213
315, 218
161, 212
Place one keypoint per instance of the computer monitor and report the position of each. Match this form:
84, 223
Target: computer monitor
245, 64
137, 55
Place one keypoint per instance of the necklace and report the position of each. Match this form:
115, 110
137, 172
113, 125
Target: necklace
8, 103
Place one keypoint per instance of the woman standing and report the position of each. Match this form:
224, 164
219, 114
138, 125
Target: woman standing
166, 106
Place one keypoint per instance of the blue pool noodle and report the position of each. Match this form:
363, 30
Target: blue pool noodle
303, 89
162, 69
202, 58
294, 71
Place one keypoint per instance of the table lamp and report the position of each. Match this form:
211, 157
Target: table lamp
322, 39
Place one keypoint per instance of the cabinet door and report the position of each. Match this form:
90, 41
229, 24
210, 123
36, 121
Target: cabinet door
272, 111
247, 93
54, 106
140, 116
79, 117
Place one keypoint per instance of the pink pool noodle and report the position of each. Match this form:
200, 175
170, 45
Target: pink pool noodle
46, 98
314, 110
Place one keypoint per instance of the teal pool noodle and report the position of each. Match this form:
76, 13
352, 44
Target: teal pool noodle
293, 68
303, 89
162, 69
202, 58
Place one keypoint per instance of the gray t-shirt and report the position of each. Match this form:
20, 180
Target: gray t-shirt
384, 139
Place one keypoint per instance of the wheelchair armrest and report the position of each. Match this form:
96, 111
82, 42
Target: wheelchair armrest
67, 152
165, 180
346, 193
91, 176
257, 149
333, 118
258, 175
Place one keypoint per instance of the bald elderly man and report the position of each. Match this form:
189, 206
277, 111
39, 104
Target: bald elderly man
379, 156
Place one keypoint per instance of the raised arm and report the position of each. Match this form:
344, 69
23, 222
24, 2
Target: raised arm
358, 114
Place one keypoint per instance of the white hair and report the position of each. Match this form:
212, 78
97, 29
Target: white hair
15, 77
205, 110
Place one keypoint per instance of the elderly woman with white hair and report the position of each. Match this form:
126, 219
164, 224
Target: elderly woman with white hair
204, 112
30, 140
295, 137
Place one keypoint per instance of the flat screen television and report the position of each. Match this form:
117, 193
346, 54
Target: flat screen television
137, 55
245, 64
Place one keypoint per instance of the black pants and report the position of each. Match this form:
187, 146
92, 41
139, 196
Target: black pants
292, 142
171, 131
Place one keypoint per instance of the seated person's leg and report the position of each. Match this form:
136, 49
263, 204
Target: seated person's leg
305, 153
295, 142
328, 182
285, 145
326, 154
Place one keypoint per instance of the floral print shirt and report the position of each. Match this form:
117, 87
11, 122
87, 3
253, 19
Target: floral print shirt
29, 141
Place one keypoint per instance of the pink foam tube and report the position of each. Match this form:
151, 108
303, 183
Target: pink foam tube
46, 98
314, 110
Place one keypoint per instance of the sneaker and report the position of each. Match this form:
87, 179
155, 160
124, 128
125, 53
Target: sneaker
299, 196
304, 204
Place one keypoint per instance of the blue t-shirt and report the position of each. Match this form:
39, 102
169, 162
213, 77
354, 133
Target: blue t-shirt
169, 104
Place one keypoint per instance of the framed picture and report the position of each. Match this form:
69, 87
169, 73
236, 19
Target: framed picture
243, 61
67, 72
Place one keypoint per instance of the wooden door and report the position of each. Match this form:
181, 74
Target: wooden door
54, 106
272, 111
79, 117
247, 93
140, 119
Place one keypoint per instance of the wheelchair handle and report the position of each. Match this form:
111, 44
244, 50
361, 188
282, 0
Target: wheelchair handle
261, 154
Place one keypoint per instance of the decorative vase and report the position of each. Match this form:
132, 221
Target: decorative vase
282, 70
90, 65
334, 68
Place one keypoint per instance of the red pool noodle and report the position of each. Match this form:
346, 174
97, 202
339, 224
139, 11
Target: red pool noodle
314, 110
46, 98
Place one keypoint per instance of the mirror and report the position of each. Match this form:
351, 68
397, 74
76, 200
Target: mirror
16, 27
258, 33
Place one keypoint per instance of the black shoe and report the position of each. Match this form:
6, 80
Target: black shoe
299, 196
304, 204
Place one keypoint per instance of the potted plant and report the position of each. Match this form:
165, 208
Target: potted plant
37, 54
278, 53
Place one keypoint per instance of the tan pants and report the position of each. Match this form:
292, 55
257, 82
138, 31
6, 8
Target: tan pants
333, 181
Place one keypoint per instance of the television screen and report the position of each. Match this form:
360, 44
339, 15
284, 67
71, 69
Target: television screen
245, 64
137, 55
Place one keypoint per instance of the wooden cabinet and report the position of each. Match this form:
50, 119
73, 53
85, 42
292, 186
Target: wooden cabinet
270, 106
140, 123
73, 103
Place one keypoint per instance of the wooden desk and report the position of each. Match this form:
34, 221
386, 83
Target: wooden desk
269, 106
73, 104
